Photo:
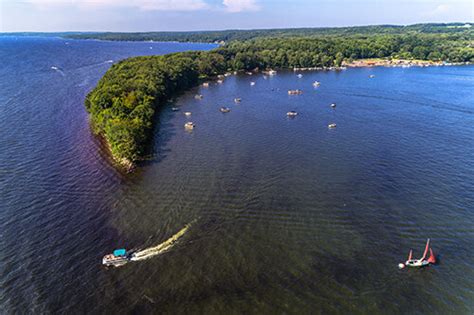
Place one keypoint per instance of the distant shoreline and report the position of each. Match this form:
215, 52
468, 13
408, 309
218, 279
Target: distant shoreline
403, 63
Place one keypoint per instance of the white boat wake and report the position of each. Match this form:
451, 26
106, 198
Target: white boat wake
161, 248
57, 69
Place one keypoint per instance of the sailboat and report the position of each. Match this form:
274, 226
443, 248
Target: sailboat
422, 262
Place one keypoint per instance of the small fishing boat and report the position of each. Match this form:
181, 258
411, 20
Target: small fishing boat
422, 262
237, 100
331, 126
189, 125
198, 96
292, 113
118, 258
316, 83
252, 83
187, 113
225, 109
333, 105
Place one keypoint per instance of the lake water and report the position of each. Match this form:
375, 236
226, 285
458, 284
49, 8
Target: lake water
286, 215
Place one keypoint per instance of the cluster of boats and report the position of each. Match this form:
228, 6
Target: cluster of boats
291, 114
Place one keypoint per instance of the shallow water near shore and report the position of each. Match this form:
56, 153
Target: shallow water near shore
288, 215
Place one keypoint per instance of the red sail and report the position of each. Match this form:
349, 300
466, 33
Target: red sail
426, 249
432, 259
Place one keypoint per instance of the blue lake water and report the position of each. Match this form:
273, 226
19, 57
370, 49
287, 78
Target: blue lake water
288, 216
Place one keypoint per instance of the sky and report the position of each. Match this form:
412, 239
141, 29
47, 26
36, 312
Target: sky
189, 15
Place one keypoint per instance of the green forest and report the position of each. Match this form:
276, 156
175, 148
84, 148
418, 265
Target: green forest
239, 35
123, 104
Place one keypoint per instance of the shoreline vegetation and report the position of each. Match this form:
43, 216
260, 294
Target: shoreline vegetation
122, 106
221, 37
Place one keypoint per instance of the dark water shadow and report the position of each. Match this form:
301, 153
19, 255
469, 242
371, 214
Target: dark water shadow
163, 132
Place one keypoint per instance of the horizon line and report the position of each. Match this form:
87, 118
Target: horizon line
238, 29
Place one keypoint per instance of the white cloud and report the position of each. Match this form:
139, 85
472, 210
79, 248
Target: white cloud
232, 6
158, 5
241, 5
439, 10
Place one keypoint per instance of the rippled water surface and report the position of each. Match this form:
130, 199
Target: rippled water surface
287, 215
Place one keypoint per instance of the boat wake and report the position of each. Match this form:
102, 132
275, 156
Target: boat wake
57, 69
161, 248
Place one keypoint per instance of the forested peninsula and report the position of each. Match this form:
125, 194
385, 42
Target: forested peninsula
123, 104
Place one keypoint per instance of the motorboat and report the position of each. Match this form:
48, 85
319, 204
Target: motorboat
316, 83
189, 125
119, 257
292, 113
220, 81
198, 96
205, 84
299, 76
187, 113
333, 105
225, 109
422, 262
252, 83
331, 126
237, 100
295, 92
175, 109
372, 76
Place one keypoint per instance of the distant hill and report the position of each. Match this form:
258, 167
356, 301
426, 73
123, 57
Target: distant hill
231, 35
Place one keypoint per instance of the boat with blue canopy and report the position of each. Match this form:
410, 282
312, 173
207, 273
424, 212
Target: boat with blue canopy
119, 257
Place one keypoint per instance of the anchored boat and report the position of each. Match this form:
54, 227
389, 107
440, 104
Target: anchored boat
295, 92
422, 262
189, 125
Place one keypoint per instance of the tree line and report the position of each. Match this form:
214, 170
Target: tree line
240, 35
